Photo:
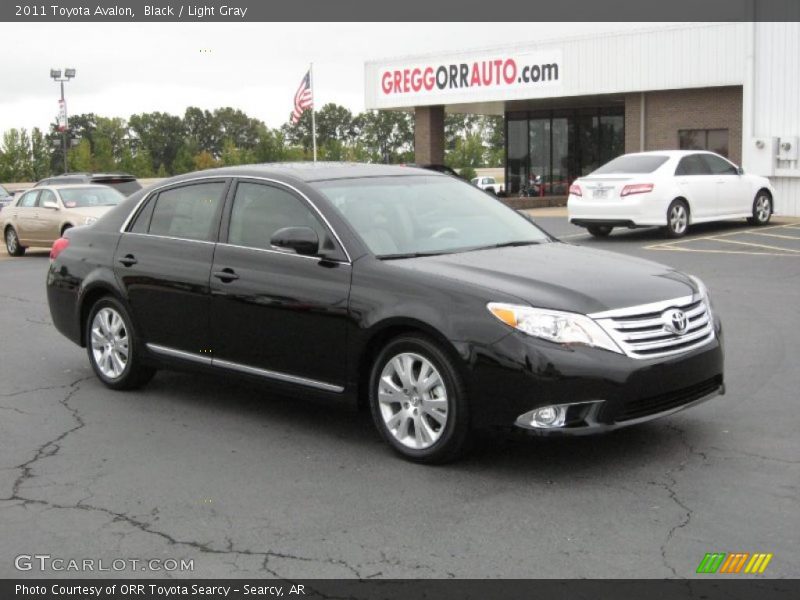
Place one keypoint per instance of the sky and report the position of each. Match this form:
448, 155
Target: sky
123, 69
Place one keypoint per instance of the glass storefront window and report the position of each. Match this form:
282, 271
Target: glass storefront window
517, 145
560, 146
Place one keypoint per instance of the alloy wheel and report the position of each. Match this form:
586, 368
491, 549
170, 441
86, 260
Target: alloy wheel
678, 218
12, 243
412, 398
109, 339
763, 209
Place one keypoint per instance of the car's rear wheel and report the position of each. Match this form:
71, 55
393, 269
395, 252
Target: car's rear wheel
762, 209
418, 400
12, 243
600, 231
677, 219
113, 346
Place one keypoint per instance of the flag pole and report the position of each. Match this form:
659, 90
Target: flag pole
313, 110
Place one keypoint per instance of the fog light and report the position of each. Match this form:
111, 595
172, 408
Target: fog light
549, 416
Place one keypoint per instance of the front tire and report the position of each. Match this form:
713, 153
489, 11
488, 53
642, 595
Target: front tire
600, 231
418, 401
113, 346
677, 219
762, 209
12, 243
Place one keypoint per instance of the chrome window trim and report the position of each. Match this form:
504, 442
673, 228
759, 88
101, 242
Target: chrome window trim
234, 366
282, 252
168, 237
237, 178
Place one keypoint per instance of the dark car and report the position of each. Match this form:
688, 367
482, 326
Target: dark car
438, 168
122, 182
409, 291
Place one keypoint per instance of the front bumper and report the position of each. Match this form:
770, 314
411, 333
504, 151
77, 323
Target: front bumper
520, 373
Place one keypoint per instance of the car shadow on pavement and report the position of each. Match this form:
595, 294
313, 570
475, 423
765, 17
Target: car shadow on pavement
656, 234
343, 427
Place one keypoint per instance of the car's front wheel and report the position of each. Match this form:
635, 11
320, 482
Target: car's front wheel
762, 209
600, 231
114, 348
12, 243
677, 219
418, 400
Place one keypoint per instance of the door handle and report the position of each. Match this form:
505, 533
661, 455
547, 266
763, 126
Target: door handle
226, 275
128, 260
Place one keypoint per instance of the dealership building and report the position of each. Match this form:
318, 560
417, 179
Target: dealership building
569, 105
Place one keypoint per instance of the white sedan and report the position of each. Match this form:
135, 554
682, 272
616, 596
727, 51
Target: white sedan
671, 189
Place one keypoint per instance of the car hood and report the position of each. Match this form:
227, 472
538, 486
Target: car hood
560, 276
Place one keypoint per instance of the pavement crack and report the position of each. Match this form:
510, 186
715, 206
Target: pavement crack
669, 487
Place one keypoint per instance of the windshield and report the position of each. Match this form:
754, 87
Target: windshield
406, 216
4, 192
632, 163
90, 196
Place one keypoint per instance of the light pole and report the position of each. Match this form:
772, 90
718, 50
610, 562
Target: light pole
56, 75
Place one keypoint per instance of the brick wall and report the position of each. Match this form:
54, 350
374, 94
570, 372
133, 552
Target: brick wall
668, 111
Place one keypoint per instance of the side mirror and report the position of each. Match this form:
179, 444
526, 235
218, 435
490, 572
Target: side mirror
51, 204
739, 171
302, 240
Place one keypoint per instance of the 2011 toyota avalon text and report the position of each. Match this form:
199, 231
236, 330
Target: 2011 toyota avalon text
408, 291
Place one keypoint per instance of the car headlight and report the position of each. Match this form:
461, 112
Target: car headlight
553, 325
89, 220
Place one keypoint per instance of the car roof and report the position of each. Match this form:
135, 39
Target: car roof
69, 186
669, 153
310, 171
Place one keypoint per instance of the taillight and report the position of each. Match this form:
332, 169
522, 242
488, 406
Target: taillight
58, 246
636, 188
575, 190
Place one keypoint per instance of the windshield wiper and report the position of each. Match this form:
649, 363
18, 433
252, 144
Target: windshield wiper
507, 245
409, 255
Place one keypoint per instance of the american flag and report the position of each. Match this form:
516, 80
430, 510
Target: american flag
303, 98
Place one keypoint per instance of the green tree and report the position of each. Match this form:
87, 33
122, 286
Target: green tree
16, 162
40, 154
161, 134
389, 135
204, 160
80, 157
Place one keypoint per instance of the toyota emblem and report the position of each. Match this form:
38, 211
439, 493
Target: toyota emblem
675, 321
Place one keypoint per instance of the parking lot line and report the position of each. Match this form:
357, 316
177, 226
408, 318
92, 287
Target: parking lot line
705, 251
777, 235
720, 237
752, 244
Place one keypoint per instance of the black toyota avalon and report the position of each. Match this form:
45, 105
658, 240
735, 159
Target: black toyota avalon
405, 290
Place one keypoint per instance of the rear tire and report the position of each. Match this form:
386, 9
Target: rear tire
12, 243
600, 231
677, 219
114, 348
762, 209
418, 401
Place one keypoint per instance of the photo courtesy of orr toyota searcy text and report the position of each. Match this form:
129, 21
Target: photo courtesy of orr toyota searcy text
491, 73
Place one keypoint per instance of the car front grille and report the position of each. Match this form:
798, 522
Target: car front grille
643, 407
641, 331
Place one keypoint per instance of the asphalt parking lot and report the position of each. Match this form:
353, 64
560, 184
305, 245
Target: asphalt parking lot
249, 484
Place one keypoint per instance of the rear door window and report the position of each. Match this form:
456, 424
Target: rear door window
693, 164
188, 212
